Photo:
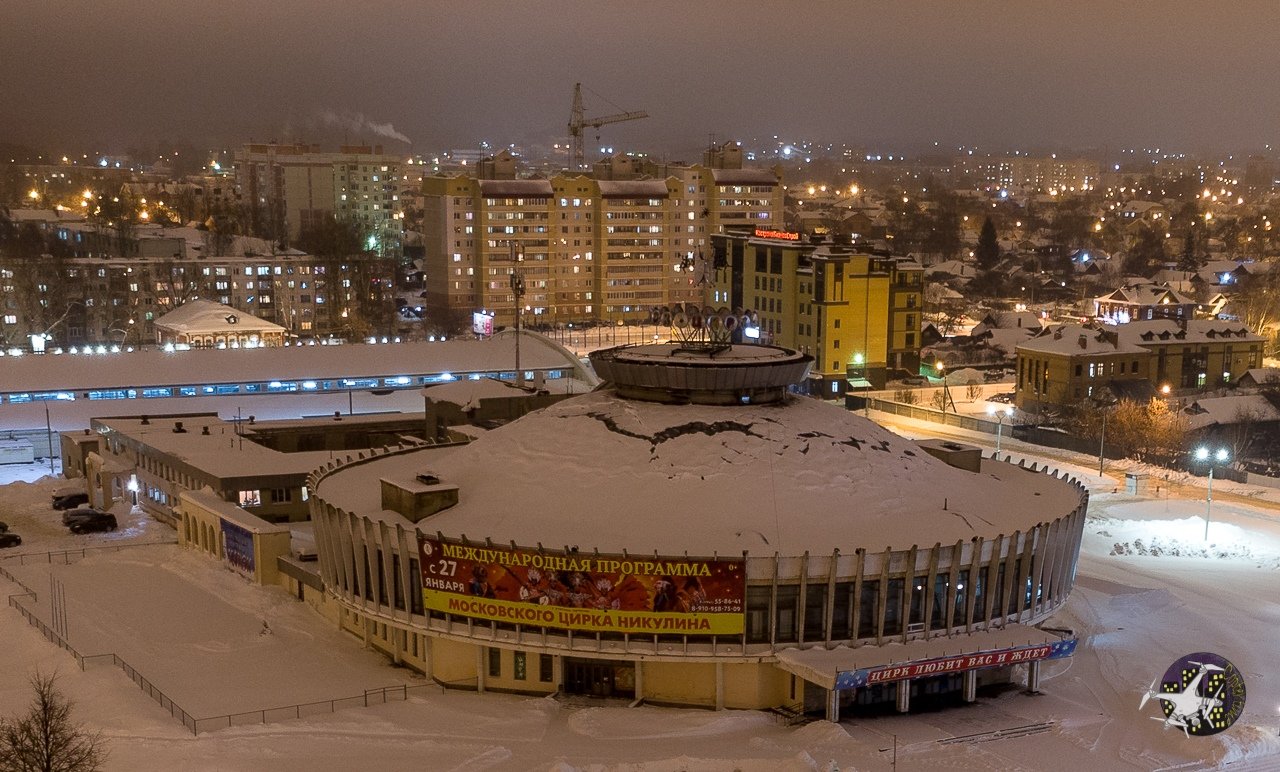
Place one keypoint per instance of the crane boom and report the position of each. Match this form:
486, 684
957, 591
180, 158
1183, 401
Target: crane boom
577, 121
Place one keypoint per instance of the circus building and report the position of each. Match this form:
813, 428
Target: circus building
693, 533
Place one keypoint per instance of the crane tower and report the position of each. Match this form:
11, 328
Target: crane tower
577, 159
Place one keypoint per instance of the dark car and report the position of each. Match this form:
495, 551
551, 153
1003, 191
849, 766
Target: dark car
10, 539
99, 521
80, 513
70, 500
4, 527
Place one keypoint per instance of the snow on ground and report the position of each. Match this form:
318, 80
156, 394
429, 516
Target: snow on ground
195, 627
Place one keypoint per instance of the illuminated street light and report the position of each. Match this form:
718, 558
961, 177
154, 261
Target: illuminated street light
1000, 416
1220, 456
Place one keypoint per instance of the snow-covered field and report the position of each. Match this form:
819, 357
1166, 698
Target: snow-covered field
1149, 591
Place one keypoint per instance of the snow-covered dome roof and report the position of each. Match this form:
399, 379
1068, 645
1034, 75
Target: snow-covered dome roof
608, 473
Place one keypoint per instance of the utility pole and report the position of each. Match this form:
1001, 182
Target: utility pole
517, 290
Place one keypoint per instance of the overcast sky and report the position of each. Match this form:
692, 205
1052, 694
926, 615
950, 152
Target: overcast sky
448, 73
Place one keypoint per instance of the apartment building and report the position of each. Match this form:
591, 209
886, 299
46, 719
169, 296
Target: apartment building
294, 186
603, 248
856, 313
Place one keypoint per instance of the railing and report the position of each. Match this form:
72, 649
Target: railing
921, 413
33, 558
376, 696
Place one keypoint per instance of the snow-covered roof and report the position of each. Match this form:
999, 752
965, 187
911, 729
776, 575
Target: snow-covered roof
155, 367
509, 188
1145, 295
1154, 331
633, 188
744, 177
468, 393
196, 317
1229, 410
645, 476
1075, 339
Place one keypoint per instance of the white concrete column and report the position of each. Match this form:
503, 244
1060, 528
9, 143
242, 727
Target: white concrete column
639, 679
833, 705
482, 667
557, 671
970, 685
719, 686
904, 696
428, 667
1033, 677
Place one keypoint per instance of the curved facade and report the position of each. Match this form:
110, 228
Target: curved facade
806, 530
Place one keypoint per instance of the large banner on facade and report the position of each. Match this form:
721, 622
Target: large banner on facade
856, 679
605, 593
237, 547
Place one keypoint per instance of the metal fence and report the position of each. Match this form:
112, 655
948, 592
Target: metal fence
934, 415
375, 696
64, 557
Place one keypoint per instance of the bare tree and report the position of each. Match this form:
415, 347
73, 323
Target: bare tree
45, 739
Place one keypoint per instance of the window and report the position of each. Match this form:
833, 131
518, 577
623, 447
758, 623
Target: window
757, 615
546, 668
281, 495
815, 612
518, 665
786, 613
495, 663
867, 608
251, 498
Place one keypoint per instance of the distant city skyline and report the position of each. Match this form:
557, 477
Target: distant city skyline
1038, 75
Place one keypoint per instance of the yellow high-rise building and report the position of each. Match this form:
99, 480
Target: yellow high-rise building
856, 313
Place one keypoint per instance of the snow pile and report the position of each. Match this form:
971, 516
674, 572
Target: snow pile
1175, 548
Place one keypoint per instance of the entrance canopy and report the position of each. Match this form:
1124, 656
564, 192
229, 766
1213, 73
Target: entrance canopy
852, 668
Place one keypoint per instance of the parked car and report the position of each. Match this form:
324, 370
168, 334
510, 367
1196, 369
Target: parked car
10, 539
70, 500
4, 527
100, 521
79, 513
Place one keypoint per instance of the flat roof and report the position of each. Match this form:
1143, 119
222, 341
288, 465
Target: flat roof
157, 367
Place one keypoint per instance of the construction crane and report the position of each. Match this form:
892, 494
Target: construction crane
577, 159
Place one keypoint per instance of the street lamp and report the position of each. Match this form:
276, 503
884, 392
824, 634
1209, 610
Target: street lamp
1220, 456
1000, 416
940, 366
1103, 404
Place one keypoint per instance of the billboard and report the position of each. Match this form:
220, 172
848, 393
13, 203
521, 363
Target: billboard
593, 593
481, 323
856, 679
238, 547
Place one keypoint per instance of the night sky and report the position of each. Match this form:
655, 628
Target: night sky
1002, 75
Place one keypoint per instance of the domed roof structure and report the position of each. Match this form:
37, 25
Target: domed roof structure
609, 473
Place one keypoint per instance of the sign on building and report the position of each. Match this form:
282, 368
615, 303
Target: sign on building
593, 593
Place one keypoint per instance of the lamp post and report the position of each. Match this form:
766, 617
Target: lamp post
1000, 416
1202, 454
1102, 438
517, 290
940, 366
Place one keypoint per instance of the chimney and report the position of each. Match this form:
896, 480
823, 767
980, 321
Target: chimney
1057, 334
1084, 341
204, 430
177, 428
146, 421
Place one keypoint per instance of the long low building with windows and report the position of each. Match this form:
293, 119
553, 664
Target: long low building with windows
40, 394
693, 533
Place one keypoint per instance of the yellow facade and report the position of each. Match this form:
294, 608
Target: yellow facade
857, 314
594, 250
